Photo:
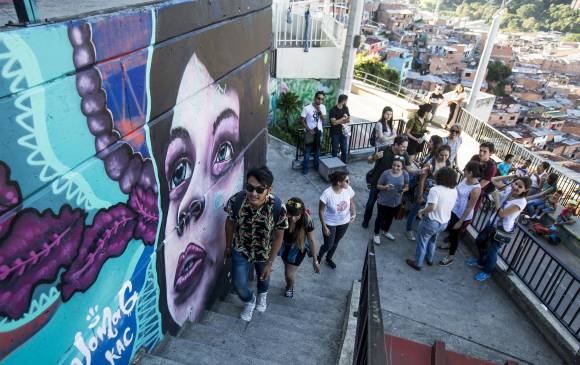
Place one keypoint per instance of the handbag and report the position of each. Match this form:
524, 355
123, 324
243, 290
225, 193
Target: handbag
401, 212
308, 138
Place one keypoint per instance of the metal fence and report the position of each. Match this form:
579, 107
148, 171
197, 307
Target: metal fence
358, 140
483, 132
370, 338
326, 26
551, 280
412, 96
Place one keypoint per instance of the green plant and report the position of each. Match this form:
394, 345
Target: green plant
497, 77
374, 66
289, 103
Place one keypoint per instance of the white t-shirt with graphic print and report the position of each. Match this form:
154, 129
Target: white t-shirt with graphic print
337, 206
312, 116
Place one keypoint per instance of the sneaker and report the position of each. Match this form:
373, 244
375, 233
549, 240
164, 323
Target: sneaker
446, 261
429, 263
411, 236
262, 302
289, 293
331, 263
482, 276
248, 310
389, 235
365, 224
377, 239
473, 262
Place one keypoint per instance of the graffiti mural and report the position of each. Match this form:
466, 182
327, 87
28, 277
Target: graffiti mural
124, 136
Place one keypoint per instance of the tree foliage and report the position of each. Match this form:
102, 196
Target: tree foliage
374, 66
497, 77
289, 103
521, 15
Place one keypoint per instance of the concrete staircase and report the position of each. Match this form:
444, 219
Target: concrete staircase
307, 329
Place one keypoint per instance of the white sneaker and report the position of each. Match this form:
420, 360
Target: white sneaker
262, 303
377, 239
389, 236
410, 235
248, 310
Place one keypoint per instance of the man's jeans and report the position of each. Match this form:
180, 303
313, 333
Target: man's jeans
427, 240
373, 195
313, 148
337, 141
240, 271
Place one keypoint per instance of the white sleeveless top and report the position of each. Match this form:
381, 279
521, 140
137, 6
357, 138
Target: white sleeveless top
463, 192
508, 223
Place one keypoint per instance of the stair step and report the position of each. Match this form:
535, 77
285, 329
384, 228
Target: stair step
312, 289
332, 320
190, 351
297, 324
149, 359
265, 348
323, 307
324, 347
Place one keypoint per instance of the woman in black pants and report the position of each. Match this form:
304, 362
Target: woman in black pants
336, 210
468, 191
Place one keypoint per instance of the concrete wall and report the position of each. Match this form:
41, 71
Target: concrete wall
113, 126
318, 62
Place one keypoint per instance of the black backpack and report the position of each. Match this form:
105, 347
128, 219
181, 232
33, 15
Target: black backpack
373, 138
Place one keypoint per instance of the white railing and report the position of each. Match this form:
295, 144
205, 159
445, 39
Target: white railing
326, 26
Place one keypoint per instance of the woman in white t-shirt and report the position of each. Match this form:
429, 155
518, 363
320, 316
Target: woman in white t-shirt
508, 205
336, 210
435, 216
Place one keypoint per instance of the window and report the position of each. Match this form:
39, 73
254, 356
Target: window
468, 74
512, 117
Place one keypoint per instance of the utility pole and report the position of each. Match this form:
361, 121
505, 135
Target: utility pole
349, 54
484, 60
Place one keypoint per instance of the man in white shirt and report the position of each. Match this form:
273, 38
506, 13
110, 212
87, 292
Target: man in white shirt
435, 216
311, 118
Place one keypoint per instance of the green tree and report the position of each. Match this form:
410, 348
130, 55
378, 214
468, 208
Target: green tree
527, 11
497, 77
571, 37
374, 66
563, 18
289, 103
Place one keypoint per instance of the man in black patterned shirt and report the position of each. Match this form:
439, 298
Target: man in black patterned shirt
254, 232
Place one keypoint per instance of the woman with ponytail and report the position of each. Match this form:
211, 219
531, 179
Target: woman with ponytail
299, 240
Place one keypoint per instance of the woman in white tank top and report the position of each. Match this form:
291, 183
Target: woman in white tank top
508, 205
468, 192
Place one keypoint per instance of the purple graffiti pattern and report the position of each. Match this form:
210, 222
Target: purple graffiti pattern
107, 237
38, 245
10, 197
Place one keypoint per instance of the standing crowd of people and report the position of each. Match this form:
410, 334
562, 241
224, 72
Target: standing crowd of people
260, 227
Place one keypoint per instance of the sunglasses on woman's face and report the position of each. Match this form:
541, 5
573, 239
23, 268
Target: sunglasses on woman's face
292, 203
258, 189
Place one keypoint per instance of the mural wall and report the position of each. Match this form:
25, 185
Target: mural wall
122, 137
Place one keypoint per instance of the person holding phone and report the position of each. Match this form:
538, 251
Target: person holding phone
391, 185
339, 129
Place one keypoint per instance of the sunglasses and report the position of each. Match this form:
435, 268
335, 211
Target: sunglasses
258, 189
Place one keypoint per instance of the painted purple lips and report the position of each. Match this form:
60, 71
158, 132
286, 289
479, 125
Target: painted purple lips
189, 269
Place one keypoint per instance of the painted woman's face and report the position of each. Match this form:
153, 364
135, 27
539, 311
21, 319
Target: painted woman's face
203, 168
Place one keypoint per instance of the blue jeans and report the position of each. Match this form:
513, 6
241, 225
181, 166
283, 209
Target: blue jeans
412, 215
426, 240
313, 148
488, 257
240, 271
373, 195
336, 141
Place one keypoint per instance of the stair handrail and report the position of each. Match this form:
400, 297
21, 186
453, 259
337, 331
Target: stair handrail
370, 337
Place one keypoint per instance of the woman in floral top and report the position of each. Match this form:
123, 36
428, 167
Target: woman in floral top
416, 129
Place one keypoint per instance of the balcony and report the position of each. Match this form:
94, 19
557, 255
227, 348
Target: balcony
309, 47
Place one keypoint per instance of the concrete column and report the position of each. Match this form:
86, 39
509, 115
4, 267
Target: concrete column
349, 54
484, 60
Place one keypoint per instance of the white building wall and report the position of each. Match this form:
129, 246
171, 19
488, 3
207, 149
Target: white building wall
317, 63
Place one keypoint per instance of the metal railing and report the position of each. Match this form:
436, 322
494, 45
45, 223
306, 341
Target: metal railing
483, 132
358, 140
551, 280
326, 26
412, 96
370, 337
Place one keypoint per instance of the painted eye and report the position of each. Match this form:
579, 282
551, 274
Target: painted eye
224, 153
181, 172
